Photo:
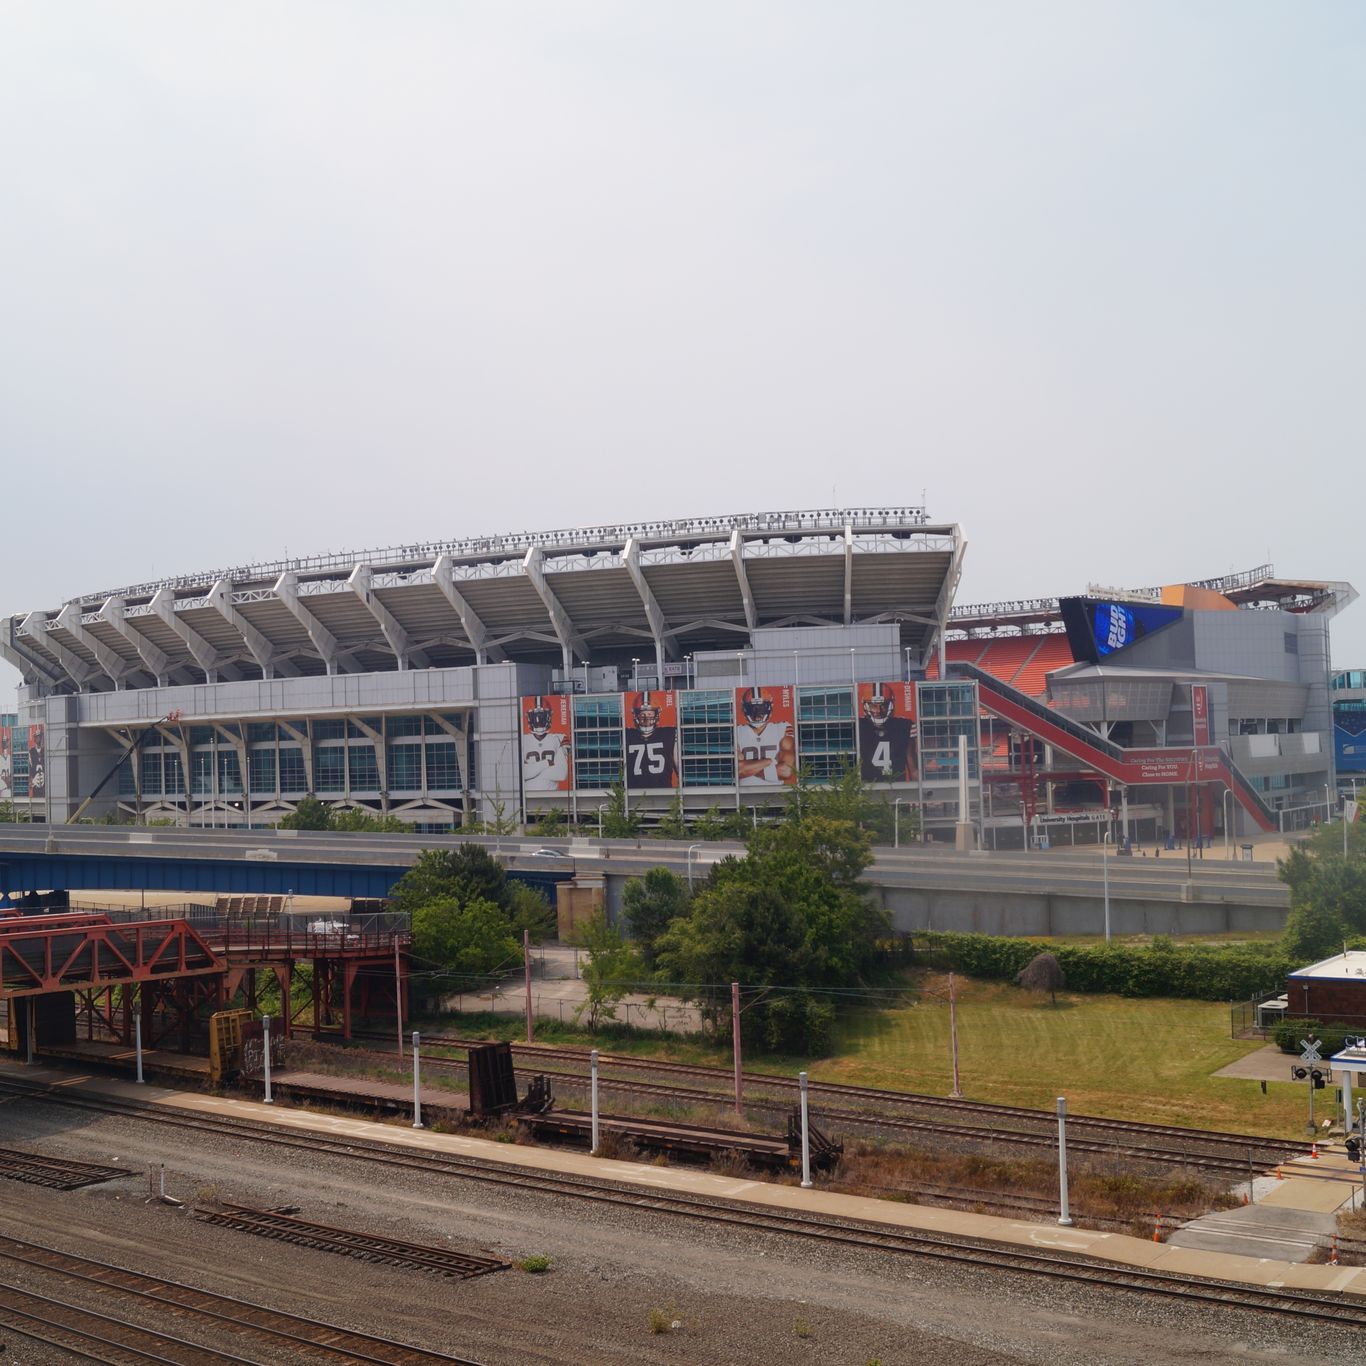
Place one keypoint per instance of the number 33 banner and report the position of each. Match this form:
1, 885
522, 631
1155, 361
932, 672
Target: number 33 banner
651, 739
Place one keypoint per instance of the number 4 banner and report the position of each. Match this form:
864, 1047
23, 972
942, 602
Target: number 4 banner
651, 739
886, 732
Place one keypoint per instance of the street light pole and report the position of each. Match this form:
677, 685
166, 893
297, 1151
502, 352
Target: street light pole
691, 848
1228, 833
1105, 874
896, 822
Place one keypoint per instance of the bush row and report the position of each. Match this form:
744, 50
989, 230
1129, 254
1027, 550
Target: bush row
1232, 972
1331, 1037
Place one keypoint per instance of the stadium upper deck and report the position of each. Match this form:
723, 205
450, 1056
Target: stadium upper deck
666, 588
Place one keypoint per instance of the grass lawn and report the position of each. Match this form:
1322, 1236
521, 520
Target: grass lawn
1145, 1059
1142, 1059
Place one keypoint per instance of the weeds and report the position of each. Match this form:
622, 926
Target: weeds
533, 1266
664, 1321
802, 1329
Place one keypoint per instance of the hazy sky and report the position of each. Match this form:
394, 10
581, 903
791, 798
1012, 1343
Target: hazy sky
316, 276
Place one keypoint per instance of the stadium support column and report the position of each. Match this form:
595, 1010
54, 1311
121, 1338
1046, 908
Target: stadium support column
963, 830
204, 655
571, 643
659, 627
737, 556
286, 591
16, 654
263, 651
113, 665
443, 575
156, 660
361, 583
35, 627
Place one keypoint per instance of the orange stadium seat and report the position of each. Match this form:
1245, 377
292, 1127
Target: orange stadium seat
1053, 653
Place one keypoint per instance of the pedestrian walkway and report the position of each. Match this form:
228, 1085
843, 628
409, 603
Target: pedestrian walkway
1288, 1218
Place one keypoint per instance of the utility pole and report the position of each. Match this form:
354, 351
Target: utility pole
526, 959
735, 1047
398, 998
957, 1092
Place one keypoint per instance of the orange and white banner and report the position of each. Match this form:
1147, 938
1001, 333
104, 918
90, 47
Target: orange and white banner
547, 750
765, 736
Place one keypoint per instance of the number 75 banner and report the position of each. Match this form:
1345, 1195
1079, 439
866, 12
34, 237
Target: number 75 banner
651, 739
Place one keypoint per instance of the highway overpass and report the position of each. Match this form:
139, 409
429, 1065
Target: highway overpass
925, 887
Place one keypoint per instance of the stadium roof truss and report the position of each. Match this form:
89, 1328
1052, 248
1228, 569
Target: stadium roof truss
562, 596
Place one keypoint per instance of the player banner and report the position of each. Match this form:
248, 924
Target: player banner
886, 732
546, 756
652, 739
37, 761
765, 736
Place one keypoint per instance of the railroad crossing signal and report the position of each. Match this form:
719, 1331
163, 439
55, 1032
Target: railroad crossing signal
1310, 1051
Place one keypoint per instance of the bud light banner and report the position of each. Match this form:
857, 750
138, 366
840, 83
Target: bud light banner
6, 765
886, 732
651, 739
1200, 713
546, 758
765, 736
1098, 628
37, 761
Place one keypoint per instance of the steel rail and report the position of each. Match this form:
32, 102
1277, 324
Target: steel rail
299, 1332
984, 1255
56, 1314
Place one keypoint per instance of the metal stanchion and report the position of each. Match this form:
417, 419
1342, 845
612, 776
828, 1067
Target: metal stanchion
265, 1040
137, 1040
806, 1135
1065, 1218
593, 1061
417, 1083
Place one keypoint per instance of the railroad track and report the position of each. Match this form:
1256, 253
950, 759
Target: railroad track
1307, 1306
722, 1079
111, 1338
365, 1247
1148, 1143
57, 1173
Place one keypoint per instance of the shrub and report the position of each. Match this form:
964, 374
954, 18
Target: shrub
533, 1266
1288, 1033
1225, 973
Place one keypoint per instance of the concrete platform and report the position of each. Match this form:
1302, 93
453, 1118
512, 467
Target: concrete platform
1267, 1063
1112, 1247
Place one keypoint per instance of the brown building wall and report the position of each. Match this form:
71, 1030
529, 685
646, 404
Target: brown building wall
1340, 1000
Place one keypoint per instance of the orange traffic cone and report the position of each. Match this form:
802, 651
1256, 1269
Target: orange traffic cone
1245, 1199
1279, 1177
1157, 1228
1314, 1150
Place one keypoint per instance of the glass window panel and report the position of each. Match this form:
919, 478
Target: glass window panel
229, 774
261, 731
151, 773
443, 767
329, 766
201, 761
397, 726
173, 775
363, 768
293, 780
126, 784
261, 765
405, 768
329, 730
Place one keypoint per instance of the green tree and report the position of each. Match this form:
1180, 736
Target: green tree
464, 937
550, 822
651, 903
308, 814
1313, 930
710, 825
619, 822
466, 873
372, 822
530, 909
12, 815
673, 825
608, 971
792, 916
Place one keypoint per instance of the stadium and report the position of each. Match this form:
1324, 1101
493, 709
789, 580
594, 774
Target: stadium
697, 664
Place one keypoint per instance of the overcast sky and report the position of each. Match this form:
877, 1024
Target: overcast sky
309, 277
